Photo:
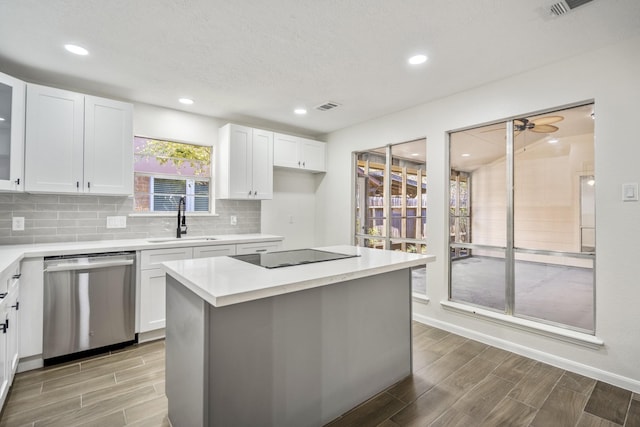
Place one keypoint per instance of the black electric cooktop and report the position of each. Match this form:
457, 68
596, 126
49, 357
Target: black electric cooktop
290, 258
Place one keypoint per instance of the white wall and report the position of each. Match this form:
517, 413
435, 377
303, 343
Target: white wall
610, 76
292, 212
174, 125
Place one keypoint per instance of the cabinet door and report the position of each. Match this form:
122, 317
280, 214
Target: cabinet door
4, 363
262, 164
12, 99
153, 257
152, 299
13, 306
313, 155
213, 251
285, 151
240, 162
257, 247
108, 146
31, 311
54, 140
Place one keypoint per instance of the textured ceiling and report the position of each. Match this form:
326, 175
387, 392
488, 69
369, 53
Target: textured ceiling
255, 61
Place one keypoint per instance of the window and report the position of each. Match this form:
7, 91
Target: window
391, 206
522, 217
165, 171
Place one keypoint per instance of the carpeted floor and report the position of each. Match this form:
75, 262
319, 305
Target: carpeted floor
554, 293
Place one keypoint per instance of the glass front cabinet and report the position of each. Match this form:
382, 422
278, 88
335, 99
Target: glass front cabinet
12, 122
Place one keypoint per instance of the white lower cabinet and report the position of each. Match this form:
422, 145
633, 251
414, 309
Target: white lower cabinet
257, 247
152, 299
152, 285
9, 332
31, 313
213, 251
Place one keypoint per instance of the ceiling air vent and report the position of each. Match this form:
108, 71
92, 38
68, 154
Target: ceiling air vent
326, 106
564, 6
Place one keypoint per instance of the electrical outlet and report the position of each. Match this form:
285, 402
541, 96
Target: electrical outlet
234, 220
18, 223
116, 222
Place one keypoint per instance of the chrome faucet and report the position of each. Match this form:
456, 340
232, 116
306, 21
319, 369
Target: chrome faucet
182, 219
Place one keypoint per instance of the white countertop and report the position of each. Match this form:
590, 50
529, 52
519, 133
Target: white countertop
225, 281
12, 253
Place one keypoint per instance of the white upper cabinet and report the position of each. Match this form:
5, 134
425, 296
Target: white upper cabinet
77, 143
12, 95
244, 163
298, 153
108, 146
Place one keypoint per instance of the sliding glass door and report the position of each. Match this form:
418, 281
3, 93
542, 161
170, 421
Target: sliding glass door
531, 251
391, 200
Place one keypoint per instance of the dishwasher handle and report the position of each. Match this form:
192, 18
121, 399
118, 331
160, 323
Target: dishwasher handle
88, 266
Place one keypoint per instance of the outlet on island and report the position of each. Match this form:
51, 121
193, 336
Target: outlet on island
233, 220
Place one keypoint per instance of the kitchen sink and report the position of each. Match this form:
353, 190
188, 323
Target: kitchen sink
175, 239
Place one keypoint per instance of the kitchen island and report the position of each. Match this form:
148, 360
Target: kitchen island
291, 346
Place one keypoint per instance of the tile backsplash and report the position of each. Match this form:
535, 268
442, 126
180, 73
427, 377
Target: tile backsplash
69, 218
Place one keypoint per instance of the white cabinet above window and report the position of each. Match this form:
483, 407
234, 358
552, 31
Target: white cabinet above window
12, 94
77, 143
244, 163
298, 153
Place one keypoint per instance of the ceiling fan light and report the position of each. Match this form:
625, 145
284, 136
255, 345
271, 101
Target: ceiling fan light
418, 59
75, 49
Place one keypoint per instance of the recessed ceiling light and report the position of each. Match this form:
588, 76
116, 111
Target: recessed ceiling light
418, 59
185, 101
591, 182
78, 50
300, 111
1, 119
466, 155
415, 154
553, 141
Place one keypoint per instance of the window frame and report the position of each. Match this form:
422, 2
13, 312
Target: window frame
510, 249
211, 179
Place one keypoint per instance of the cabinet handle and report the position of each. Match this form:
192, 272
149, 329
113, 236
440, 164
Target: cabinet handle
261, 250
249, 192
298, 163
255, 193
17, 306
2, 295
304, 164
3, 327
88, 185
77, 184
17, 181
16, 276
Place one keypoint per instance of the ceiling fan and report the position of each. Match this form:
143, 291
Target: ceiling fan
539, 125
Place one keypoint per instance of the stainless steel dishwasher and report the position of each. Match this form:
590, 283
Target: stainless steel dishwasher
89, 303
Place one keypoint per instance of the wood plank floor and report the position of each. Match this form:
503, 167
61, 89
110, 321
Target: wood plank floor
456, 382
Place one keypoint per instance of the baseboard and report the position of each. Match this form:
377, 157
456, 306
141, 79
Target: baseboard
30, 363
156, 334
559, 362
